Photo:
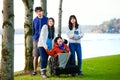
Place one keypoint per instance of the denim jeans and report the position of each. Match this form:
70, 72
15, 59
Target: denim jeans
76, 47
44, 57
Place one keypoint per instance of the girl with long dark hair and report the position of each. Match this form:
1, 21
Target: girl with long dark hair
75, 35
45, 42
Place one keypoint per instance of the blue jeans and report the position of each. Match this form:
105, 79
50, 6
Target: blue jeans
76, 47
44, 57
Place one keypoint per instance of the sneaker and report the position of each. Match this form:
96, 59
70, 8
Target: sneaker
73, 74
34, 73
80, 74
43, 74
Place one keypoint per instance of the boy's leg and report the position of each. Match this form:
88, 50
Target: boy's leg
35, 63
35, 54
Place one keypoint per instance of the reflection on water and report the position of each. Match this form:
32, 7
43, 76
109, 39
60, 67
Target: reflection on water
93, 45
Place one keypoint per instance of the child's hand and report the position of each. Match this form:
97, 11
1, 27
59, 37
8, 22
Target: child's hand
76, 32
76, 37
46, 47
64, 48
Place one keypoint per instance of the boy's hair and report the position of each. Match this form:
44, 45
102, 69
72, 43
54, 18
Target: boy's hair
38, 8
65, 40
55, 40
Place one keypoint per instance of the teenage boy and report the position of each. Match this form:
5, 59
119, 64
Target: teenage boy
38, 22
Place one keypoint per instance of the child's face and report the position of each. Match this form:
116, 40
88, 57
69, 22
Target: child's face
39, 13
50, 22
73, 20
59, 41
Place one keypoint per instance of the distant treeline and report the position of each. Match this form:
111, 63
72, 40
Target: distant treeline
85, 29
112, 26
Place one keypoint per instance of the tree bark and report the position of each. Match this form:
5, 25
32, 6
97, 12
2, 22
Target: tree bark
28, 4
44, 6
7, 60
60, 18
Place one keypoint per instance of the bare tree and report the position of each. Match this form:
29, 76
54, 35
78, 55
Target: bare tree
7, 60
44, 6
28, 4
60, 18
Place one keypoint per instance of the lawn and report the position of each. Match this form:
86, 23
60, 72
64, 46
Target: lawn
99, 68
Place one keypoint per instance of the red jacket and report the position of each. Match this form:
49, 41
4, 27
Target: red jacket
55, 51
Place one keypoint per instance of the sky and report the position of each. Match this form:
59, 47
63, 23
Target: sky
88, 12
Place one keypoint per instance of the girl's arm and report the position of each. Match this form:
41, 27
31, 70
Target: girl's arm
50, 52
44, 35
79, 35
54, 52
70, 34
67, 49
80, 32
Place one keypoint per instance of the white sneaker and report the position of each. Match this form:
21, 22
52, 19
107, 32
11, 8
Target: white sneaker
43, 74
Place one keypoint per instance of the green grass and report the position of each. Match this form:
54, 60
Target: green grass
99, 68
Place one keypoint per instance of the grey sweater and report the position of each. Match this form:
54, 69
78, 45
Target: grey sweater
75, 35
43, 37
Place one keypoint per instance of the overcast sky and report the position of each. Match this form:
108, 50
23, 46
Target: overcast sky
88, 12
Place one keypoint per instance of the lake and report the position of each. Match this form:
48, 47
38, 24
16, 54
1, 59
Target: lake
93, 45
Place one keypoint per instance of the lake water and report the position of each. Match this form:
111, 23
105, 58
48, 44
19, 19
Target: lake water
93, 45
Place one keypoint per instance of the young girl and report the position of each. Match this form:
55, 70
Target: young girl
75, 35
45, 42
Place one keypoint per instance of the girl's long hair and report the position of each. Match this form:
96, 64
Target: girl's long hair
70, 25
53, 29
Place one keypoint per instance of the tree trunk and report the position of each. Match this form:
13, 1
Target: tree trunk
28, 4
60, 18
44, 6
7, 60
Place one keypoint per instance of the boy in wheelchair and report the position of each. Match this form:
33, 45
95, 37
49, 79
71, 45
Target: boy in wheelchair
59, 60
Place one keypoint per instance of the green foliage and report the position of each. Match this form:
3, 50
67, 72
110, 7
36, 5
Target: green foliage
100, 68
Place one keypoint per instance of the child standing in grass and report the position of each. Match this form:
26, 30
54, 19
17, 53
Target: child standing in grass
75, 35
38, 23
45, 42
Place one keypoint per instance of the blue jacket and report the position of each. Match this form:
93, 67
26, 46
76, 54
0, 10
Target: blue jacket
37, 26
